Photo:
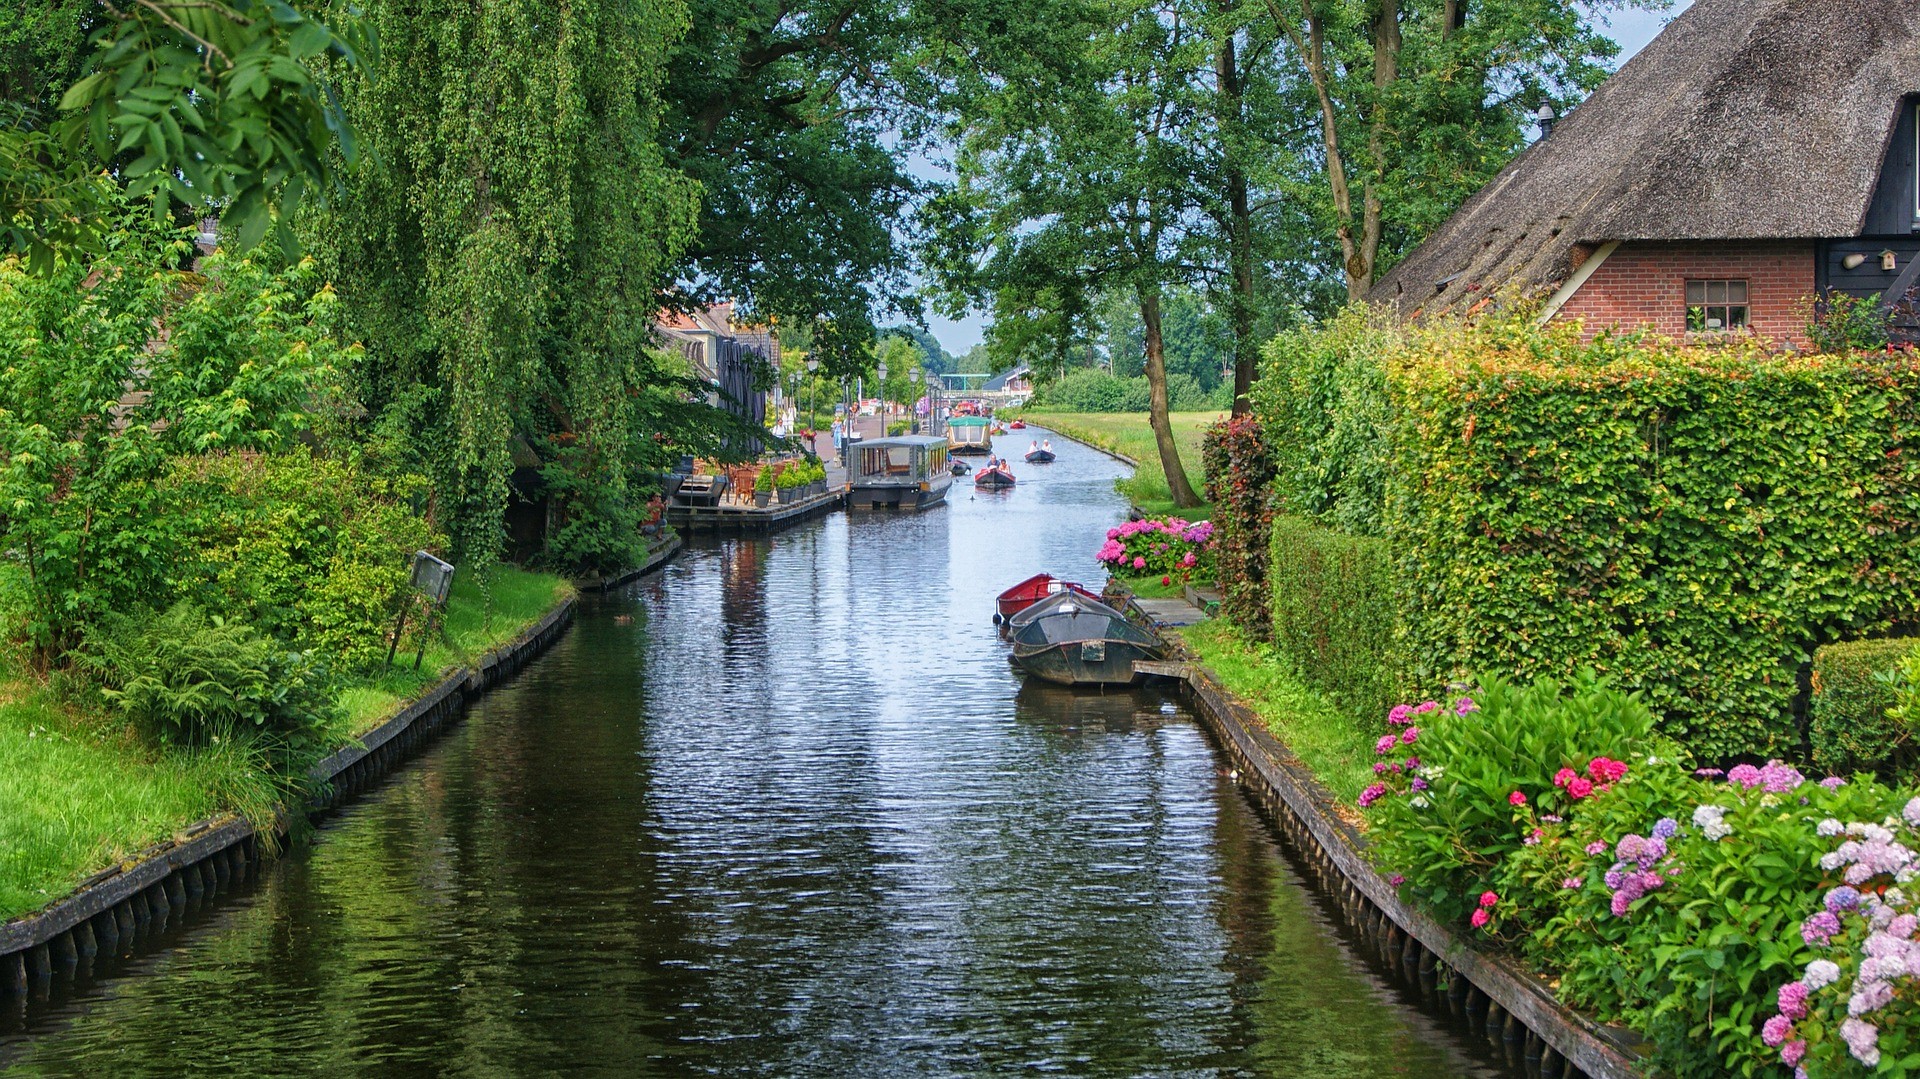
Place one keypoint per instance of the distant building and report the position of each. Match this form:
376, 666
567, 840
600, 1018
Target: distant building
1014, 382
735, 360
1758, 153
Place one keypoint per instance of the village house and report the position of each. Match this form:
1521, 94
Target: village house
1756, 155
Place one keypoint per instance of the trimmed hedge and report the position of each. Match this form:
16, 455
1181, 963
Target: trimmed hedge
1334, 612
1848, 727
1691, 521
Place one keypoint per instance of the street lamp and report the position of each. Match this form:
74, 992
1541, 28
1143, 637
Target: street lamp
880, 376
913, 376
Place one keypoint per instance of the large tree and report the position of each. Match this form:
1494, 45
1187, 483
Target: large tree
505, 251
1076, 176
791, 119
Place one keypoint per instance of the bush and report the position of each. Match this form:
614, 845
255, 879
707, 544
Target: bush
1323, 397
1334, 612
186, 678
1695, 521
1854, 687
1549, 820
1239, 472
315, 551
1088, 390
1159, 547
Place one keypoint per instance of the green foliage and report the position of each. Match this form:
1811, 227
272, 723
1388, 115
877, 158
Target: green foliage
1694, 522
316, 551
1335, 613
503, 248
1322, 395
1453, 825
1087, 390
1843, 323
188, 678
217, 105
1240, 472
92, 408
1857, 688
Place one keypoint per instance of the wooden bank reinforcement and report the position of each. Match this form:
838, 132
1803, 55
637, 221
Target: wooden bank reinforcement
128, 905
1515, 1011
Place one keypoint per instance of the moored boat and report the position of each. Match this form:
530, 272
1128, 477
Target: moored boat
1031, 591
908, 472
1080, 642
994, 477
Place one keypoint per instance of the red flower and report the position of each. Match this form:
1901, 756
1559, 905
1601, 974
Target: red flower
1516, 799
1488, 899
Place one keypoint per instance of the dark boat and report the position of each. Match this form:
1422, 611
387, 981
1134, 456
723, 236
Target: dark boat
1033, 590
960, 468
1075, 594
1079, 642
1039, 457
994, 478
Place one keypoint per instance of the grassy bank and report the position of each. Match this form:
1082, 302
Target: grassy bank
80, 790
1128, 434
1337, 748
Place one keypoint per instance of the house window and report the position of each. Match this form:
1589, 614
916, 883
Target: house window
1716, 305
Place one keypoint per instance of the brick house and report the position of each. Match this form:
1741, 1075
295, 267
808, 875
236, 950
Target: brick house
1755, 156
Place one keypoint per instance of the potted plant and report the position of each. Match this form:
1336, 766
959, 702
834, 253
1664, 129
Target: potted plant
763, 488
788, 484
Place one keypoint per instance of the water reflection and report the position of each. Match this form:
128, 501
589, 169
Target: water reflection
783, 810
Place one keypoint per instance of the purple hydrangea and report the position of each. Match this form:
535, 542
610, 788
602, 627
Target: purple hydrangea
1819, 927
1842, 898
1666, 828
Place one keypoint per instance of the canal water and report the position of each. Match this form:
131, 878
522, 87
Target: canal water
783, 809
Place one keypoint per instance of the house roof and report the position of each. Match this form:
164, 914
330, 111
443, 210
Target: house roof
999, 382
1744, 119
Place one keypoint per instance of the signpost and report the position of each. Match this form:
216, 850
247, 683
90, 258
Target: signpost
433, 579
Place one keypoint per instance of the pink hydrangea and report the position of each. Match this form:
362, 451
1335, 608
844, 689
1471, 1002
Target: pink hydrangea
1516, 799
1488, 899
1480, 918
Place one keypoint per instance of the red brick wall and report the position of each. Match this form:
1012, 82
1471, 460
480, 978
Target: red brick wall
1644, 284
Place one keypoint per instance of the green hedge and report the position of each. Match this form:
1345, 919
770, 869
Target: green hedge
1334, 612
1240, 473
1847, 723
1692, 521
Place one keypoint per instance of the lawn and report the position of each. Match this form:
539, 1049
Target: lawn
1334, 745
81, 791
1128, 434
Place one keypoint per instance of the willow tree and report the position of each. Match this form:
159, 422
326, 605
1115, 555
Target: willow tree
503, 250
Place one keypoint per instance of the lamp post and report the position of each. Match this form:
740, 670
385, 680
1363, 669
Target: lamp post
880, 376
813, 403
913, 376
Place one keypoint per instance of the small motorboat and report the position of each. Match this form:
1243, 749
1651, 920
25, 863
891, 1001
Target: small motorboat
960, 468
996, 477
1081, 642
1031, 591
1017, 425
1076, 594
1040, 457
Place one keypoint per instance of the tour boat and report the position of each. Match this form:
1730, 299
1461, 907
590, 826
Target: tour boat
1082, 642
1033, 590
994, 478
1040, 457
908, 472
971, 435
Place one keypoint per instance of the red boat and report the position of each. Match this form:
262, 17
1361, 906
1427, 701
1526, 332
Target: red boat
994, 478
1033, 590
1018, 425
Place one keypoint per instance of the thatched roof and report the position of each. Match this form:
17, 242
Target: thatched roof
1744, 119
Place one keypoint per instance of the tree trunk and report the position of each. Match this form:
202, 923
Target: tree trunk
1177, 483
1246, 352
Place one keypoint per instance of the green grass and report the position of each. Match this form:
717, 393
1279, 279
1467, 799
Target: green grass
474, 626
1151, 588
1128, 434
80, 791
1334, 745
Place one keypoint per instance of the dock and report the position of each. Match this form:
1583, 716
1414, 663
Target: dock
734, 514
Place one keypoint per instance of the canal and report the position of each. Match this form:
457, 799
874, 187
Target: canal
783, 809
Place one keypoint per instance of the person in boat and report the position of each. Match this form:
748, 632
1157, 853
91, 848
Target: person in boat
1047, 445
1032, 446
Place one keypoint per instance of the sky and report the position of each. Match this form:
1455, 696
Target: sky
1632, 29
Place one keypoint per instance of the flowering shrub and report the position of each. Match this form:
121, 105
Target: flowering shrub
1161, 546
1551, 822
1240, 471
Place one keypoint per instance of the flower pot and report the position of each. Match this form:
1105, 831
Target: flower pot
761, 498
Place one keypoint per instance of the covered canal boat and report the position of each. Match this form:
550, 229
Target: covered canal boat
970, 435
907, 472
1082, 642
